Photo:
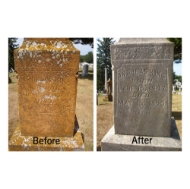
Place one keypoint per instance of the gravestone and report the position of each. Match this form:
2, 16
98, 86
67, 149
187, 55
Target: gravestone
85, 70
47, 87
143, 69
178, 86
109, 89
173, 89
108, 96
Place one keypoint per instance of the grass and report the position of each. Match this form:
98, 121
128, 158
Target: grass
105, 116
84, 108
177, 111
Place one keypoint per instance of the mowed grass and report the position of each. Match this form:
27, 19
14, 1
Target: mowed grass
177, 111
84, 108
105, 116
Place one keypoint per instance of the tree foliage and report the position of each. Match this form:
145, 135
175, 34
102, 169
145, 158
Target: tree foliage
177, 47
11, 45
83, 41
103, 61
87, 58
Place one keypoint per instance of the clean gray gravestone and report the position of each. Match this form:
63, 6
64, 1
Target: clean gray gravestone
173, 89
143, 70
85, 70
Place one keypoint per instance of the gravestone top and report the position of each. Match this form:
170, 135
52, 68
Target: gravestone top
142, 40
142, 86
47, 86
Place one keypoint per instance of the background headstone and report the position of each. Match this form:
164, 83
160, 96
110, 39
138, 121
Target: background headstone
85, 70
173, 89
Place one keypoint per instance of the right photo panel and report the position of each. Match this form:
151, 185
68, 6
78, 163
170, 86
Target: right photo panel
139, 94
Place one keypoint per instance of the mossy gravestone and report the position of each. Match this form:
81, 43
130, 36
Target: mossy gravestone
47, 87
143, 70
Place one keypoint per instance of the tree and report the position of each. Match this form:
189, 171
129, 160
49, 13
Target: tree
103, 61
177, 54
82, 58
89, 57
177, 47
11, 45
83, 41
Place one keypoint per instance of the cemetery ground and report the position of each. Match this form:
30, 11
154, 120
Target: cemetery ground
84, 107
105, 116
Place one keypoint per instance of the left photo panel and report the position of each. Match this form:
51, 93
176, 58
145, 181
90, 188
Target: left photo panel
50, 94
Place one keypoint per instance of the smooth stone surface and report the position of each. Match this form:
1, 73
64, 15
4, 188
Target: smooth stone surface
25, 143
143, 40
47, 86
143, 69
116, 142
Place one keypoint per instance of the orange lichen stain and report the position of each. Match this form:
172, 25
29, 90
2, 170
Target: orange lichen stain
47, 86
25, 143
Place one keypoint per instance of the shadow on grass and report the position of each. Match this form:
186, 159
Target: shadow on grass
177, 115
98, 148
89, 76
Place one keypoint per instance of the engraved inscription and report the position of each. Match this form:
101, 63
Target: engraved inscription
142, 88
141, 72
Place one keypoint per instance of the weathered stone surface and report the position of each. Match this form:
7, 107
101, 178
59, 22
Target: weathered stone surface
18, 142
47, 70
143, 69
117, 142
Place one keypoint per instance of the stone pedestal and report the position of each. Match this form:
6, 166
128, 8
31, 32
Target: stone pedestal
143, 70
18, 142
118, 142
47, 89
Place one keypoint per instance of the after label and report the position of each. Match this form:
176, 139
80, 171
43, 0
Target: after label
141, 140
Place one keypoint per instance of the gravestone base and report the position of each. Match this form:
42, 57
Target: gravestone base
25, 143
116, 142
